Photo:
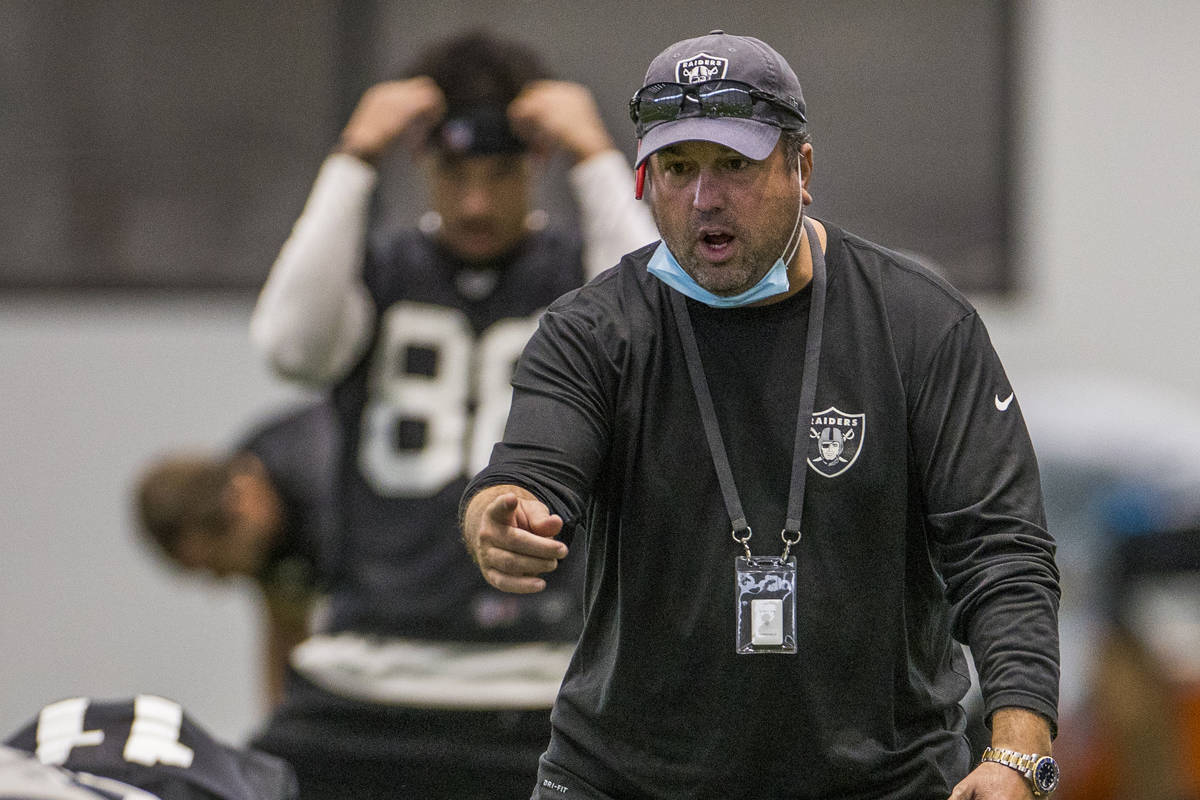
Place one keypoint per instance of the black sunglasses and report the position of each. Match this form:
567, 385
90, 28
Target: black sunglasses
666, 102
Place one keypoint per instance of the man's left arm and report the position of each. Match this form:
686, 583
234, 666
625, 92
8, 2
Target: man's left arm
1019, 730
985, 515
562, 116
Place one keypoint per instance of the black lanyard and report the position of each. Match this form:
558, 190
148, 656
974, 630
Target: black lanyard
808, 392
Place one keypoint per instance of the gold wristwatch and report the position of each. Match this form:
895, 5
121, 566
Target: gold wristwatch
1040, 771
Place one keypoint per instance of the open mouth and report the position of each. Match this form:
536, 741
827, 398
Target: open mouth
476, 227
715, 245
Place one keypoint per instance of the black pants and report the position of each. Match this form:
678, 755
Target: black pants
342, 748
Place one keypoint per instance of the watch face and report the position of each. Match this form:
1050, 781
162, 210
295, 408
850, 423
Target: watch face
1045, 775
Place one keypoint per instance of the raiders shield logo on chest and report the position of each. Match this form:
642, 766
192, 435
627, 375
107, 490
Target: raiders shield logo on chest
835, 441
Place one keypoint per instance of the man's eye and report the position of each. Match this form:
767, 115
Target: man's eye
736, 164
676, 168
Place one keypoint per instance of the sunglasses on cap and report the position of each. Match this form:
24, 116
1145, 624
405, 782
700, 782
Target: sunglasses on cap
657, 103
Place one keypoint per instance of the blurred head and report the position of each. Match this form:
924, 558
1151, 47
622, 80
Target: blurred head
220, 516
722, 129
482, 201
480, 175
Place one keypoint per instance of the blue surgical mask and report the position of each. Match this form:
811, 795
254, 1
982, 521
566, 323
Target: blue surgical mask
664, 267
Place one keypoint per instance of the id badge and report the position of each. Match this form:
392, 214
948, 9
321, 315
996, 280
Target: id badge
766, 604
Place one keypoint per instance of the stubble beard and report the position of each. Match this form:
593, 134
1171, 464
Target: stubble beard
728, 278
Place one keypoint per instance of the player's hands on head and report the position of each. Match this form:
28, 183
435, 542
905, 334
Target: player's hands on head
513, 542
401, 112
559, 115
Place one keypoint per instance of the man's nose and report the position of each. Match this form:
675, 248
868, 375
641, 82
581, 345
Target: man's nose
475, 199
709, 194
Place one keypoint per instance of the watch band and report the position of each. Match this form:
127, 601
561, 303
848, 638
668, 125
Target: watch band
1021, 762
1040, 771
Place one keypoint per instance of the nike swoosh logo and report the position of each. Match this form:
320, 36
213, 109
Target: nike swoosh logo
1002, 405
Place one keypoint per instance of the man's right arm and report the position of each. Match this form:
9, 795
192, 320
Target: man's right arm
285, 625
510, 534
314, 316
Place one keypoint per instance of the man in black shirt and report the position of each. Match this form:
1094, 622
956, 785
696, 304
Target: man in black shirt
760, 371
263, 510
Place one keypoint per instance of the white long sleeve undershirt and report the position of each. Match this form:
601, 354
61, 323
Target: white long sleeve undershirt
314, 316
612, 222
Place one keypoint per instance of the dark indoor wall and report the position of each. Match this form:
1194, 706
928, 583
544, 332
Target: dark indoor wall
161, 143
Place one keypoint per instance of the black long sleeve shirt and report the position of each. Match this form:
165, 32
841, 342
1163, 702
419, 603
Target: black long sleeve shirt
925, 529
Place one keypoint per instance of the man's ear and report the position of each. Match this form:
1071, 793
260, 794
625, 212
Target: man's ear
806, 168
251, 495
247, 481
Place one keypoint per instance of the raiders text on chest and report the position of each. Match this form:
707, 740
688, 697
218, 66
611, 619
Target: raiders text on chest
839, 421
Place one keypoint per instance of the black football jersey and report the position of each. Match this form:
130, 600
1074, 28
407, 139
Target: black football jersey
149, 742
23, 777
418, 415
299, 449
922, 498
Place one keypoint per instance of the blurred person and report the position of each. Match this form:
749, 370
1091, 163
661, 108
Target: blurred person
1138, 726
23, 777
1129, 552
656, 417
261, 511
428, 681
144, 747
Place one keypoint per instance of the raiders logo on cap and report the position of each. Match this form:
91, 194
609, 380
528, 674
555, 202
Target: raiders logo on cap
701, 68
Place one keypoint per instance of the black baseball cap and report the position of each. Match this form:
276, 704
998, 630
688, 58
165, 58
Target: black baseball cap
481, 130
722, 56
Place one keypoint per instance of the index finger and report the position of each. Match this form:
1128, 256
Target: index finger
526, 528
